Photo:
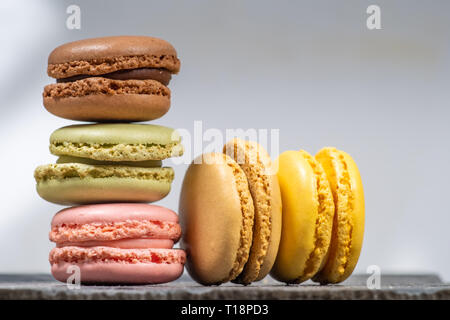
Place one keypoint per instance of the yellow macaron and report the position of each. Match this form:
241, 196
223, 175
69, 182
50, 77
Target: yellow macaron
323, 216
348, 226
307, 218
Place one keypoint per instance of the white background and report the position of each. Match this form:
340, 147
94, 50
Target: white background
310, 69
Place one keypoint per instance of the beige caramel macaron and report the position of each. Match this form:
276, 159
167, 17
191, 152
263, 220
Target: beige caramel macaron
216, 215
230, 213
265, 191
121, 78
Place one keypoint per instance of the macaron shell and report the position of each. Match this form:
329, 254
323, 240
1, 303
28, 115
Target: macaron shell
299, 254
348, 226
109, 108
108, 54
116, 142
116, 212
257, 166
105, 86
118, 273
120, 133
102, 190
358, 213
276, 225
216, 215
114, 46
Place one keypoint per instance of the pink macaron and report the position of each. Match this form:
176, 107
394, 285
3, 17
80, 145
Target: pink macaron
121, 243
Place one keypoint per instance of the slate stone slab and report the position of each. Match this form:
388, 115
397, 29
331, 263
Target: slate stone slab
42, 286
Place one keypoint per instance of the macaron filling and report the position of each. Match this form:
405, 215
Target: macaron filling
129, 229
122, 243
116, 255
159, 74
141, 164
99, 85
105, 65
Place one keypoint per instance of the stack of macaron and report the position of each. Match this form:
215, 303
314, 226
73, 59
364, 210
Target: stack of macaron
110, 170
243, 217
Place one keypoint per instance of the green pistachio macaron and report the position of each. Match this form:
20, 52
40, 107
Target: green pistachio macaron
80, 183
116, 142
101, 163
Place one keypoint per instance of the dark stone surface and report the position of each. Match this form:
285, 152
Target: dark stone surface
42, 286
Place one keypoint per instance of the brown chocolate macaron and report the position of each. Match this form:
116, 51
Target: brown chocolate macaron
121, 78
